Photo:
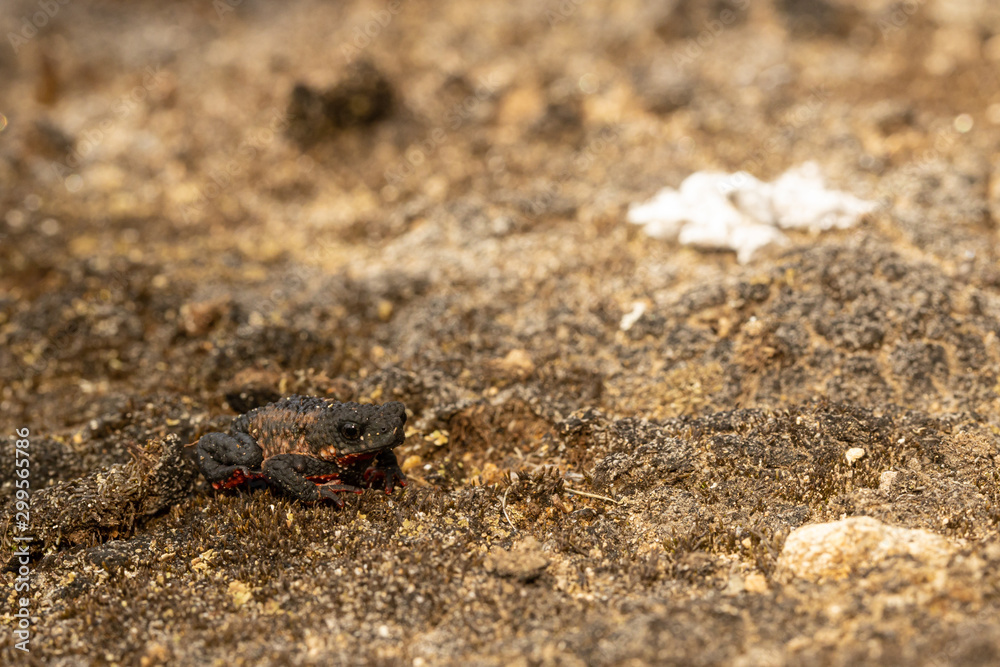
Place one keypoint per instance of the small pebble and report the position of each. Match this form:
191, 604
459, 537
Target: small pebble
887, 480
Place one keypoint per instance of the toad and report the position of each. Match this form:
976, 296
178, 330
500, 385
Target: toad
309, 447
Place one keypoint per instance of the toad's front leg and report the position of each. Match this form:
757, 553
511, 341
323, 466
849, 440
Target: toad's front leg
385, 469
292, 472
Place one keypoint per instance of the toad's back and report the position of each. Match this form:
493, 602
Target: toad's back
286, 426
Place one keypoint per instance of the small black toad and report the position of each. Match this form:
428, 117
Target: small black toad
309, 447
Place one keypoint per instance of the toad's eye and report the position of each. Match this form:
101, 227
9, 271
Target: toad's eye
350, 431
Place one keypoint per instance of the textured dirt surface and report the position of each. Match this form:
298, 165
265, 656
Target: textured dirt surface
207, 206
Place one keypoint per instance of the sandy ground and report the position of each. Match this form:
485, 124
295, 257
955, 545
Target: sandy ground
205, 206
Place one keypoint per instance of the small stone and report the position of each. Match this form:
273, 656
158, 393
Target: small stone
525, 561
665, 88
893, 116
837, 549
411, 462
156, 654
755, 582
363, 97
197, 317
854, 454
735, 586
517, 365
887, 480
630, 318
252, 388
240, 593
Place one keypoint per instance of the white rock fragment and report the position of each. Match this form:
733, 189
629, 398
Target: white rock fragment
663, 215
630, 318
835, 550
718, 211
747, 239
854, 454
801, 201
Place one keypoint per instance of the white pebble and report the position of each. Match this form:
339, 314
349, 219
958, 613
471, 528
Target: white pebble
853, 454
718, 211
630, 318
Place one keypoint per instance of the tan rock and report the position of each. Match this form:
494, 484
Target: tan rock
854, 454
411, 462
197, 317
756, 582
525, 561
517, 365
835, 550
